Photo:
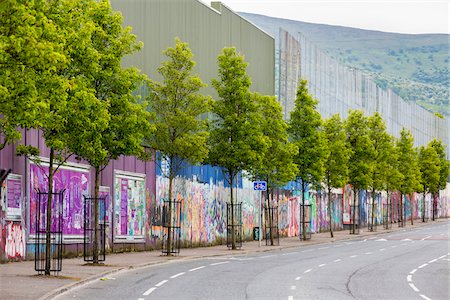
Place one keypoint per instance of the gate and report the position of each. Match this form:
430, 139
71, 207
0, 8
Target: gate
48, 258
234, 225
305, 222
171, 221
354, 219
271, 231
89, 228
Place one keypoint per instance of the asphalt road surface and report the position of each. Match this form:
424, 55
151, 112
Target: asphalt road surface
409, 264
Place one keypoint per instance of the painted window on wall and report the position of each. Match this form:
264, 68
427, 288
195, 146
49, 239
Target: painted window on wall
74, 179
104, 205
12, 191
129, 210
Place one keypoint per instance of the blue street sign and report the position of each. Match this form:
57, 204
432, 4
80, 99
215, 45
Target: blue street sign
260, 186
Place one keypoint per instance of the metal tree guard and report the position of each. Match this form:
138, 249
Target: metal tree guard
171, 221
89, 228
354, 219
400, 213
425, 210
372, 219
271, 231
235, 227
387, 215
305, 222
56, 235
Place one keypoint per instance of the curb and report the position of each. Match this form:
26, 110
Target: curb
90, 279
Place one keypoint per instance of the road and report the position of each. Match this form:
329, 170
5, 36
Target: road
409, 264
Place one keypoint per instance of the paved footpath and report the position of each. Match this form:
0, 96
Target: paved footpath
18, 280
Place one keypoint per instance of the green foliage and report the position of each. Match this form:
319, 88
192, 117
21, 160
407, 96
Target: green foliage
336, 165
382, 145
305, 124
408, 163
393, 175
236, 140
444, 164
177, 105
277, 167
429, 165
361, 150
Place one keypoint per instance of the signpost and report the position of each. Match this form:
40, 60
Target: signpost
260, 186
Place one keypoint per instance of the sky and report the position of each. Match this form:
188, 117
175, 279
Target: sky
400, 16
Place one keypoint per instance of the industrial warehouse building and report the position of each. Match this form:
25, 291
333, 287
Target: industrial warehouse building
135, 190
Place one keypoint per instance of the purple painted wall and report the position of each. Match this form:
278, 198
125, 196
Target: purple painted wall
77, 177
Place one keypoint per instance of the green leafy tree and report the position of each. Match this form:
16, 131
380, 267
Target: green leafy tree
408, 166
304, 129
382, 145
236, 141
429, 165
30, 54
181, 134
277, 168
444, 169
113, 86
361, 153
393, 176
336, 165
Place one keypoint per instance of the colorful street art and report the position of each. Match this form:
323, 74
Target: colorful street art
74, 182
129, 210
13, 192
15, 241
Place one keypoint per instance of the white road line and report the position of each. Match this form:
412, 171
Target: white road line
141, 299
337, 260
307, 250
409, 278
323, 248
219, 263
413, 271
426, 238
353, 256
414, 287
381, 240
149, 291
441, 257
298, 278
293, 287
432, 261
393, 246
365, 240
337, 246
307, 271
425, 297
289, 253
267, 256
195, 269
176, 275
290, 298
372, 238
320, 266
161, 283
424, 265
382, 249
368, 253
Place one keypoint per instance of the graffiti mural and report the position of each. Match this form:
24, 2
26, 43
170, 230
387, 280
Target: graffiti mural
13, 193
15, 241
129, 210
75, 183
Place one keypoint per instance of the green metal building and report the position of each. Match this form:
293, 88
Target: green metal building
207, 29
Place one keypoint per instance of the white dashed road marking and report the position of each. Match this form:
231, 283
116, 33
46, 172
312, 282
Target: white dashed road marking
307, 271
176, 275
149, 291
195, 269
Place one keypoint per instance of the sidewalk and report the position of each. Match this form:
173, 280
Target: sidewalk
18, 280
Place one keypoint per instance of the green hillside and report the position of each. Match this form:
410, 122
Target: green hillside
415, 66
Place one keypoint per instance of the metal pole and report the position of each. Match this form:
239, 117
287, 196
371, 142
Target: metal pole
260, 219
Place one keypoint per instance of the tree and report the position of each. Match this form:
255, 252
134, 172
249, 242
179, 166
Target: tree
361, 153
30, 54
439, 147
66, 93
393, 175
180, 133
336, 165
429, 165
304, 129
381, 142
277, 168
236, 141
127, 121
408, 166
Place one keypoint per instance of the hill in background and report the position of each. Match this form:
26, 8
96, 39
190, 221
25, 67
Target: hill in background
414, 66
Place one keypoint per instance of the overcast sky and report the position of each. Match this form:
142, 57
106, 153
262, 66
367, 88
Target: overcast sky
401, 16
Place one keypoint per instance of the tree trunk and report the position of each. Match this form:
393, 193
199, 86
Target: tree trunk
233, 230
169, 214
411, 202
354, 211
95, 246
270, 216
372, 213
49, 214
330, 212
423, 205
435, 204
303, 211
